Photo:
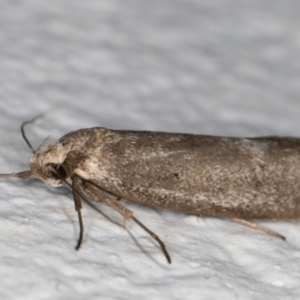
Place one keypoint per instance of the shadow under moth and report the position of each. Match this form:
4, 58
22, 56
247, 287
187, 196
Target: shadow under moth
235, 178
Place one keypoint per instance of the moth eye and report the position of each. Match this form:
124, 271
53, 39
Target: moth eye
60, 170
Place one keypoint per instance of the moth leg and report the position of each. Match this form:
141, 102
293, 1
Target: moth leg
113, 201
125, 219
258, 227
77, 202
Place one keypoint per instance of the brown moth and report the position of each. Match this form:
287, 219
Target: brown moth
236, 178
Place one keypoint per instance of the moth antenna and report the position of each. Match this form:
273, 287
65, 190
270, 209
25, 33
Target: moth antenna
22, 175
25, 174
23, 132
45, 141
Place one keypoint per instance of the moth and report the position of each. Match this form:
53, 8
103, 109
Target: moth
235, 178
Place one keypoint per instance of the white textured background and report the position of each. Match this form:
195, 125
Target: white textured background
213, 67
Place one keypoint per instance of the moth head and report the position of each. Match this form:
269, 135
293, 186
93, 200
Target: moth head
49, 166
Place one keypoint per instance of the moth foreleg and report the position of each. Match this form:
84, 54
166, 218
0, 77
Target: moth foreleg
77, 202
